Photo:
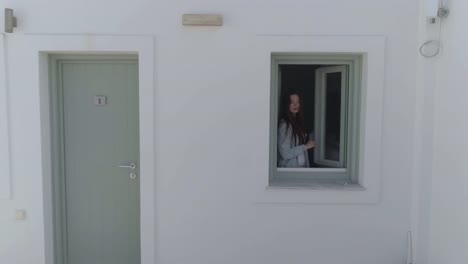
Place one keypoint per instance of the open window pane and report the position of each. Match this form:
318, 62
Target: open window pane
333, 116
330, 116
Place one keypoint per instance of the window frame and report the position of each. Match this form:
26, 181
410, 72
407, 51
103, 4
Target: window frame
309, 176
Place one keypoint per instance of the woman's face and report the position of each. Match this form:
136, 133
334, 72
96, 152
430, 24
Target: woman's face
294, 104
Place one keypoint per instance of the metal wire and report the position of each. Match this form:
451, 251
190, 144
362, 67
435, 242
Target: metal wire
433, 43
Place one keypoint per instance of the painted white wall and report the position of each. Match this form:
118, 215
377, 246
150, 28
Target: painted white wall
211, 131
444, 181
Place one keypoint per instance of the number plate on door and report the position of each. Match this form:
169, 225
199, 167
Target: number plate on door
100, 100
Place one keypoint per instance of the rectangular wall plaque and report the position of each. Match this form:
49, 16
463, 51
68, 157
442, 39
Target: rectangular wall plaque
202, 20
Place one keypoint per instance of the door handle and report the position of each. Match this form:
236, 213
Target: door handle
132, 166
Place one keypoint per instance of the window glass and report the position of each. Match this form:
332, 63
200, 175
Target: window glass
332, 116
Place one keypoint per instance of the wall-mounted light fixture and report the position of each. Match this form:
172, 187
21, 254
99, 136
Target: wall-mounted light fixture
202, 20
436, 11
10, 20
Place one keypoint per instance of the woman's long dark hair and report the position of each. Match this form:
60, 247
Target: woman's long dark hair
293, 122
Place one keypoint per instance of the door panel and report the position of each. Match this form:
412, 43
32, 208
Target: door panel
101, 200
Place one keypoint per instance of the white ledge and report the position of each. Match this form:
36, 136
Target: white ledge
315, 185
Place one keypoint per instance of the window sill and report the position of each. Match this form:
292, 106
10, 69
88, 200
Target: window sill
317, 192
315, 185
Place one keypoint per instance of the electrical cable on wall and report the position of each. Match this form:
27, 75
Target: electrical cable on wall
5, 144
435, 44
409, 257
5, 147
442, 12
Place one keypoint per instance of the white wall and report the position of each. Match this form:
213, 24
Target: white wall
445, 214
211, 132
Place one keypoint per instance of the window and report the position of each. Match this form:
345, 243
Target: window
315, 106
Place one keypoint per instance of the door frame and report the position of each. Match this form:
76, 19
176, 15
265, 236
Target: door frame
58, 144
40, 47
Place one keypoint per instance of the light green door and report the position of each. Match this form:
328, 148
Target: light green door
100, 146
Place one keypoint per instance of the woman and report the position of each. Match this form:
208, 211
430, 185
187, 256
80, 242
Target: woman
293, 141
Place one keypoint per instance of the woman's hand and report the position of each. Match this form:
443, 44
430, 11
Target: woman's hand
310, 144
